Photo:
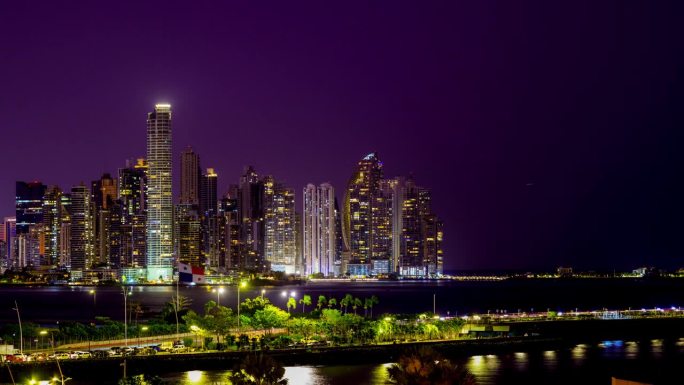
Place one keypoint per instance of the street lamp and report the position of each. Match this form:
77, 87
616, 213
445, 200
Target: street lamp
144, 328
125, 295
263, 291
21, 333
42, 333
94, 294
241, 284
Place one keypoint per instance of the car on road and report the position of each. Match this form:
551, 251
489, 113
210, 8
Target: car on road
100, 354
144, 351
38, 357
59, 356
81, 354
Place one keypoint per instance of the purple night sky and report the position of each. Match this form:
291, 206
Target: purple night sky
548, 134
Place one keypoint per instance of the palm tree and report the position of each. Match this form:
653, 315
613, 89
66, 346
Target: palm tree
258, 370
332, 302
291, 303
424, 366
373, 300
346, 301
305, 301
179, 304
356, 303
321, 302
136, 309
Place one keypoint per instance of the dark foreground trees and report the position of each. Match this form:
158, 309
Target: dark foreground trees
425, 366
258, 370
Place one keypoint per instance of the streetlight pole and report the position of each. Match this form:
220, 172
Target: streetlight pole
434, 303
240, 284
21, 333
123, 290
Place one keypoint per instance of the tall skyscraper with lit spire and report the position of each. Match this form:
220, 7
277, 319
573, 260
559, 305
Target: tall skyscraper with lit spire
159, 194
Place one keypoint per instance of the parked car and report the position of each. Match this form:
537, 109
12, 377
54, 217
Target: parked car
100, 354
144, 351
80, 354
59, 356
38, 357
179, 348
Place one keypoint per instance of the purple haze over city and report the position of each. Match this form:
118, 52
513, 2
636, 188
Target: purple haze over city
549, 134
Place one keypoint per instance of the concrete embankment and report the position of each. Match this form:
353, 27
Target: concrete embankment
551, 335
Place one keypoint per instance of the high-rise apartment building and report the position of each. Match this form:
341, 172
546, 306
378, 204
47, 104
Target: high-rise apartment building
29, 205
190, 173
417, 232
319, 229
65, 231
81, 243
10, 225
208, 193
188, 229
132, 188
251, 211
159, 194
231, 231
279, 226
388, 226
103, 196
211, 226
359, 219
52, 223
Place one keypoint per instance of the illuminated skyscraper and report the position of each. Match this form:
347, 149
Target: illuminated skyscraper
128, 238
81, 228
190, 177
65, 231
29, 205
52, 223
417, 232
319, 229
361, 222
251, 212
279, 226
103, 195
211, 230
208, 193
133, 189
159, 194
10, 225
188, 234
231, 231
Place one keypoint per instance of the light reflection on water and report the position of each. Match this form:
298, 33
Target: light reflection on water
534, 367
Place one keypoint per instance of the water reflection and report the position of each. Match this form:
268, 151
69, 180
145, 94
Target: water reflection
303, 375
520, 361
591, 364
195, 376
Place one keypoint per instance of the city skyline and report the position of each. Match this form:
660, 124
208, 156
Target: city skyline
540, 149
385, 227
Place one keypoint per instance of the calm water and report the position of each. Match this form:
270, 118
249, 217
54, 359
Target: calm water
656, 362
50, 304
